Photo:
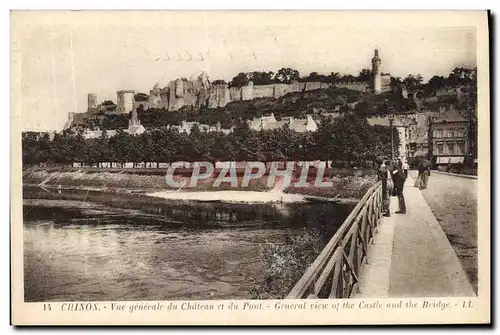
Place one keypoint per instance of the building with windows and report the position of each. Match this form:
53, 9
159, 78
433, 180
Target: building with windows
419, 135
450, 138
405, 126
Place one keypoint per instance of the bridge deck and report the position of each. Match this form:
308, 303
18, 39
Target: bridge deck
411, 256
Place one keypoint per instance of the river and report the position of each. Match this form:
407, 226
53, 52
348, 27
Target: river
97, 246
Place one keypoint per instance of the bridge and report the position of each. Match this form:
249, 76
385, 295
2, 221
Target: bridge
372, 256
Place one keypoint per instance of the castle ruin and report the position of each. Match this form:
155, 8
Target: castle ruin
125, 101
199, 92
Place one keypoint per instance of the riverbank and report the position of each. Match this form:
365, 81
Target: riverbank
342, 189
231, 196
107, 180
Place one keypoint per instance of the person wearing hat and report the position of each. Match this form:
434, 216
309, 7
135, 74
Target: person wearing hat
387, 184
399, 178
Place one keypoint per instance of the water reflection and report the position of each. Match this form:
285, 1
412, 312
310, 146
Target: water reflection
110, 246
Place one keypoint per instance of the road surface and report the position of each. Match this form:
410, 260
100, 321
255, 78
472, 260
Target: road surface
453, 200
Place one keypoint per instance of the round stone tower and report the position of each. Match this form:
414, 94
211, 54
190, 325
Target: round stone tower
377, 80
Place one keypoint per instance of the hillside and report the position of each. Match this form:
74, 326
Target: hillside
294, 104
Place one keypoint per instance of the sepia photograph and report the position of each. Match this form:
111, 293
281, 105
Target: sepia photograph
269, 162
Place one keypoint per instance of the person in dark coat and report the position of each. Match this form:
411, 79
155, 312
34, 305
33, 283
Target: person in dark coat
387, 185
399, 178
424, 172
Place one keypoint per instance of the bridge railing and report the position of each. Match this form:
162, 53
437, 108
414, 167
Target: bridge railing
335, 272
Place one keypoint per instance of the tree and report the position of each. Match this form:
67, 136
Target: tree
271, 148
307, 147
36, 148
222, 149
287, 75
262, 78
314, 76
197, 147
460, 76
435, 84
64, 147
141, 97
362, 109
347, 78
396, 85
108, 103
351, 139
246, 143
334, 77
365, 75
324, 146
239, 80
219, 82
413, 82
165, 145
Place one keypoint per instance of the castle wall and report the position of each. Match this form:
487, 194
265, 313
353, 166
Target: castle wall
125, 101
164, 99
195, 94
263, 91
280, 89
313, 85
203, 97
155, 98
189, 94
219, 96
385, 83
179, 88
354, 85
247, 92
298, 87
235, 94
174, 102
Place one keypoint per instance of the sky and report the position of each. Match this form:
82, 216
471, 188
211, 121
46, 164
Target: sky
60, 57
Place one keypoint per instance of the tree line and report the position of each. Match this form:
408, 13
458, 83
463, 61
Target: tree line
458, 77
347, 140
288, 75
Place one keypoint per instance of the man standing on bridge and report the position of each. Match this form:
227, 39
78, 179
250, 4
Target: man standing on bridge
399, 178
387, 185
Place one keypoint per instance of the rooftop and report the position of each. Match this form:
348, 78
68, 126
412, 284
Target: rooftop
451, 114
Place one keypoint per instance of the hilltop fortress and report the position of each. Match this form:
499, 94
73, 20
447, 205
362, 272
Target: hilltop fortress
199, 92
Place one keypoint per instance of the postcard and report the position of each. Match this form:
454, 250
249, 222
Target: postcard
250, 167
